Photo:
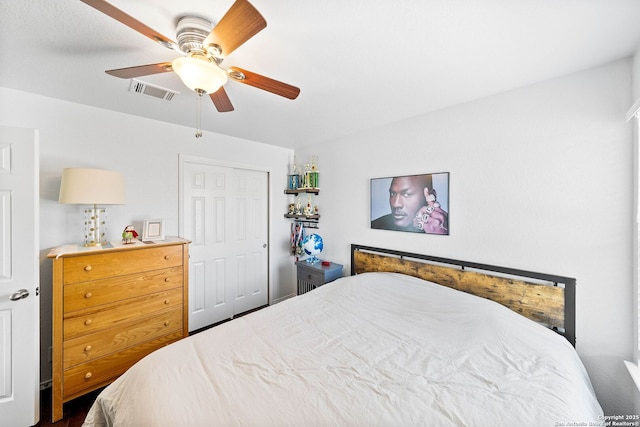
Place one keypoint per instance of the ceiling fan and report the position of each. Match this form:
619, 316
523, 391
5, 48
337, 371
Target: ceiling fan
203, 46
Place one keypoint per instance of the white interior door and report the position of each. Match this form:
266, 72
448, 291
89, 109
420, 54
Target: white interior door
225, 215
19, 278
250, 239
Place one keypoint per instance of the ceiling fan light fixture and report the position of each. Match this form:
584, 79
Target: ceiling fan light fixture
199, 74
205, 44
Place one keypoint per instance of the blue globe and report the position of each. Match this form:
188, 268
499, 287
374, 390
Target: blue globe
312, 245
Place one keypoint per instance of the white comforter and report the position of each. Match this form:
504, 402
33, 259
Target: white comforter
377, 349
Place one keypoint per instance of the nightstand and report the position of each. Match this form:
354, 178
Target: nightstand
312, 275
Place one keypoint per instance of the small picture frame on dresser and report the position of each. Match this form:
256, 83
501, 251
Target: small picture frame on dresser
152, 230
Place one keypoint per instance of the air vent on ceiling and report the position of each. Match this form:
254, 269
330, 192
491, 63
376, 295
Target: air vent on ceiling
148, 89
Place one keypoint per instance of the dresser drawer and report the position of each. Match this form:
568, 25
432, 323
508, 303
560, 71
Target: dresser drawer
108, 341
314, 277
82, 322
78, 296
108, 264
96, 373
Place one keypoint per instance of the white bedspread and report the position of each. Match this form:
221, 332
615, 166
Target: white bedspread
377, 349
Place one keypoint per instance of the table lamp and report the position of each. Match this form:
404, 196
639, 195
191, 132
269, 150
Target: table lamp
92, 187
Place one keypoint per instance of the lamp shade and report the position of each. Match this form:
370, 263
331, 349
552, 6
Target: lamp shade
199, 74
91, 186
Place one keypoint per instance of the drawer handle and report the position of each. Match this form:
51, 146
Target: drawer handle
166, 257
87, 268
88, 375
166, 301
88, 295
166, 323
88, 348
166, 279
87, 322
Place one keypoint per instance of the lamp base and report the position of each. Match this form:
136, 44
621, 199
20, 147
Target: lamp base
93, 244
95, 226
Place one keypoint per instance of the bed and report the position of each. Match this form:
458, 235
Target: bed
473, 345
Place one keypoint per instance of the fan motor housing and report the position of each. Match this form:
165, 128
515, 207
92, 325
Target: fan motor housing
191, 31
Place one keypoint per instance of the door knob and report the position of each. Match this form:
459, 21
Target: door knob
21, 294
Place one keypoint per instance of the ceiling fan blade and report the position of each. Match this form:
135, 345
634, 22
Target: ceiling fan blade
141, 70
264, 83
238, 25
221, 100
117, 14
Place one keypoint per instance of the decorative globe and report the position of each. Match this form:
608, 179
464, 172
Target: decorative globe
312, 245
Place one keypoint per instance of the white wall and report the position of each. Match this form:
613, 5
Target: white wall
541, 180
635, 80
146, 152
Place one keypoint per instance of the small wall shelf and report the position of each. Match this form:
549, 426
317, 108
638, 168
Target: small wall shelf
303, 217
303, 190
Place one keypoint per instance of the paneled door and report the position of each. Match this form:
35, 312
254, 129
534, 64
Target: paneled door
19, 278
225, 215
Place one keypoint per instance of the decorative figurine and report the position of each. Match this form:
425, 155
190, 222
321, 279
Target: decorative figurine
306, 178
294, 179
292, 208
298, 206
308, 209
314, 175
129, 234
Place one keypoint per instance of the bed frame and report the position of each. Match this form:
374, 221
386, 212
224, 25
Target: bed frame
544, 298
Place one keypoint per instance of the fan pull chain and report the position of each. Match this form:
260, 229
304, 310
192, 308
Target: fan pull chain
199, 115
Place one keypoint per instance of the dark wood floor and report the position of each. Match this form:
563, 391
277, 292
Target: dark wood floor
73, 413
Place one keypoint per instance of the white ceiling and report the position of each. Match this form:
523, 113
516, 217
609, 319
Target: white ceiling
359, 63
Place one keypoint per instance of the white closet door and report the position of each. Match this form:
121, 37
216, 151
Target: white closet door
250, 239
19, 278
225, 216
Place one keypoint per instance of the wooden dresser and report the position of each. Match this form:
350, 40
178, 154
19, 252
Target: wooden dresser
111, 307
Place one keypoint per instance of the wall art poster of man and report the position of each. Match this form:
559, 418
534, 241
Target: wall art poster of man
413, 203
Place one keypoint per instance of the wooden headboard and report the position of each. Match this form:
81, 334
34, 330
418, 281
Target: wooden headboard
544, 298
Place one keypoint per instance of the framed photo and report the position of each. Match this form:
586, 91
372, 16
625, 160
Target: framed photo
153, 229
411, 203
